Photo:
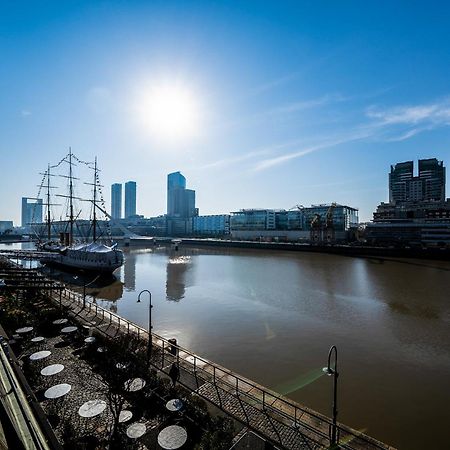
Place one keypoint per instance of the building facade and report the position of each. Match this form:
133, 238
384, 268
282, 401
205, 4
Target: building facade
418, 213
31, 211
292, 225
6, 226
212, 225
180, 205
130, 199
116, 201
428, 186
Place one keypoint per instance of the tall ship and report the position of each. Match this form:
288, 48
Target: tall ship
82, 245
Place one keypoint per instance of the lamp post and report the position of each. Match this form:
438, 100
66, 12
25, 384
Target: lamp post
333, 372
150, 306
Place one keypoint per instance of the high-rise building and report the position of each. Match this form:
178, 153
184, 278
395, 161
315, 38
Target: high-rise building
31, 211
116, 201
180, 201
176, 186
130, 199
399, 178
432, 172
429, 185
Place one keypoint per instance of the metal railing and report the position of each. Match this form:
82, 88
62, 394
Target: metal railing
312, 426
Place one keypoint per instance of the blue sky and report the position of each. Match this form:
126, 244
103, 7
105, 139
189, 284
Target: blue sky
300, 102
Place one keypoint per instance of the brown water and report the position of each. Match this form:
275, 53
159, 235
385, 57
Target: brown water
272, 316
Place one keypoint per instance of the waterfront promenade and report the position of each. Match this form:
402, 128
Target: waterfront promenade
277, 419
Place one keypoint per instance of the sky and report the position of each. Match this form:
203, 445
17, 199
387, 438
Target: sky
258, 103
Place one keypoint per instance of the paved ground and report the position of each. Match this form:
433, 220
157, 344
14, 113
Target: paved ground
270, 417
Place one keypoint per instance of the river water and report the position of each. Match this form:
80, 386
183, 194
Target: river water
272, 317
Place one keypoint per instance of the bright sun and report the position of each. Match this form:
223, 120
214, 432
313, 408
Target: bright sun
168, 112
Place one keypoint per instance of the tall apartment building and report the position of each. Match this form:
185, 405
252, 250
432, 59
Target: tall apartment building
180, 201
180, 205
429, 185
116, 201
130, 199
31, 211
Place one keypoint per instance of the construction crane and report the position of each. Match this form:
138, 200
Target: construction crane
329, 231
315, 234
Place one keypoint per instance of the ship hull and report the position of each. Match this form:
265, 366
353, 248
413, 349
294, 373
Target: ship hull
91, 258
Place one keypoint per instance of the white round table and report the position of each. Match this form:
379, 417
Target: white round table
174, 405
68, 330
59, 390
125, 416
136, 430
60, 321
53, 369
38, 339
24, 330
135, 384
90, 340
172, 437
40, 355
122, 366
92, 408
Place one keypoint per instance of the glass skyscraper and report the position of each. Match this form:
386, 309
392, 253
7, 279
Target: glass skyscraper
31, 211
116, 201
130, 199
180, 201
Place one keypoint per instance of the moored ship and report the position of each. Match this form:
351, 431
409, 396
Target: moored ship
92, 255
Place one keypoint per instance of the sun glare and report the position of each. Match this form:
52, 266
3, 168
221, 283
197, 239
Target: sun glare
168, 112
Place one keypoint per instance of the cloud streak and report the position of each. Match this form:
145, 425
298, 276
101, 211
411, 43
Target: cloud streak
437, 113
394, 124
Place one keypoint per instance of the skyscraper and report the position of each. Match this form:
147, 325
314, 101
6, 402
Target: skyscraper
31, 212
399, 178
429, 185
432, 172
176, 185
180, 201
130, 199
116, 201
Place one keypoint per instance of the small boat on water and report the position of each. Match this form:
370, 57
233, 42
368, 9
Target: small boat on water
92, 255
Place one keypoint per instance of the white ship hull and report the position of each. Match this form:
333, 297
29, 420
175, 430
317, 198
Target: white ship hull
87, 257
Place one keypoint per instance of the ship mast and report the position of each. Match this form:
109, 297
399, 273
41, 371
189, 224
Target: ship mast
94, 216
71, 218
48, 205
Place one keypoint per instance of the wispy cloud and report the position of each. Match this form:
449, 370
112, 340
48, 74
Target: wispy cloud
357, 134
437, 113
305, 104
393, 124
25, 113
233, 160
274, 83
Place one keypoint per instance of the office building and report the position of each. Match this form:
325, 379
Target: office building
213, 225
180, 201
279, 224
417, 215
31, 211
116, 201
429, 185
130, 199
6, 226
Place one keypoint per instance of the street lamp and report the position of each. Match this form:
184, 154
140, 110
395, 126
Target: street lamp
333, 372
150, 306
